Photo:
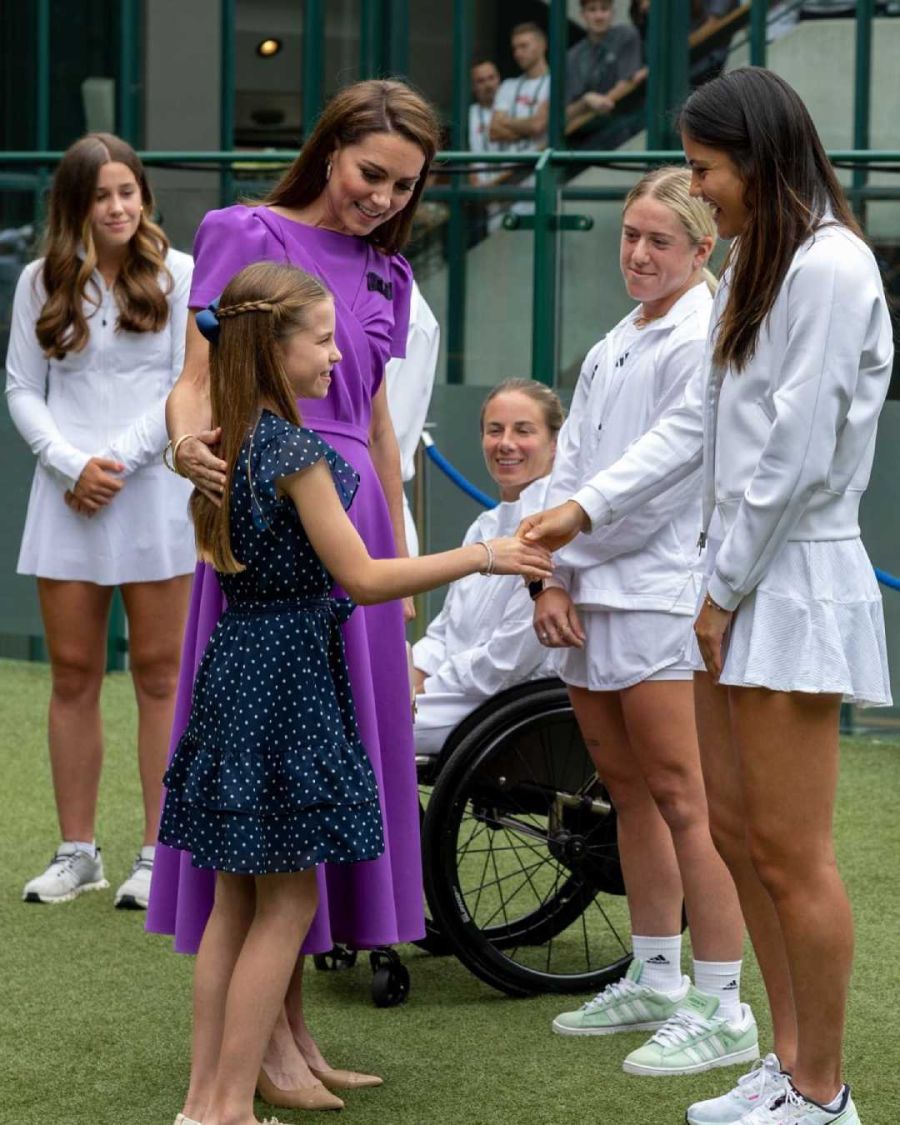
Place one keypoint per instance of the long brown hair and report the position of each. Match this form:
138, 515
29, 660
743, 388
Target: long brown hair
260, 307
672, 186
760, 123
376, 106
62, 326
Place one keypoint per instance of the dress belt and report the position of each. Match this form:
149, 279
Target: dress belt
339, 608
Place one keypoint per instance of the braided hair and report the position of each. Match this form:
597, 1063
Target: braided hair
246, 369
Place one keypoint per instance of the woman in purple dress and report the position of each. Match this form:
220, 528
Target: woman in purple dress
342, 212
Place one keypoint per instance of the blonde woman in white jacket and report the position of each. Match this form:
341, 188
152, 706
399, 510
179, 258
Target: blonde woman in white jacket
782, 417
618, 611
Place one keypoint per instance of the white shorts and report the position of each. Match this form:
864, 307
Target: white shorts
815, 623
624, 647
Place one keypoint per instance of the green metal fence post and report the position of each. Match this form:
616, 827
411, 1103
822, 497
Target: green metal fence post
116, 642
398, 37
129, 64
544, 316
463, 11
226, 97
759, 11
679, 64
667, 60
42, 102
371, 39
313, 62
862, 99
558, 29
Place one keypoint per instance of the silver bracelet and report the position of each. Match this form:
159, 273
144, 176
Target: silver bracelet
489, 569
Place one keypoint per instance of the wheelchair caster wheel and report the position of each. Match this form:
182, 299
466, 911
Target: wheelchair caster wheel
390, 979
337, 958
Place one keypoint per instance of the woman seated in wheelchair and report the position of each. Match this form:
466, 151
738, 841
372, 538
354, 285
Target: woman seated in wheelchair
482, 641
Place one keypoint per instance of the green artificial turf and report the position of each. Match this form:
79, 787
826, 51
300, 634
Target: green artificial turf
94, 1013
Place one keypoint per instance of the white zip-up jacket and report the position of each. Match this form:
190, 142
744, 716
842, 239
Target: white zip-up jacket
787, 444
646, 560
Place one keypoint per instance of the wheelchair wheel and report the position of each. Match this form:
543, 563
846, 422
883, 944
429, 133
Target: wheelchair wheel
522, 874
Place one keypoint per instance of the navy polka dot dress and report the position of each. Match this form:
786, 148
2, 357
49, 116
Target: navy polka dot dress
270, 774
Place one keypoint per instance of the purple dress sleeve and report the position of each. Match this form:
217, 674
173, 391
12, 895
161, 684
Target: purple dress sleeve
225, 242
402, 279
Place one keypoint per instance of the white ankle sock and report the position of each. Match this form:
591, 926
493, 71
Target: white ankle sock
82, 846
836, 1105
721, 979
662, 961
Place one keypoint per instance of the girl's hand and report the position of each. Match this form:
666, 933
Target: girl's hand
556, 620
514, 556
409, 610
97, 486
77, 505
555, 527
710, 629
199, 464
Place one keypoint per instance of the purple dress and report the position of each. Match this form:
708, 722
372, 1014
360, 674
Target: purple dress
377, 902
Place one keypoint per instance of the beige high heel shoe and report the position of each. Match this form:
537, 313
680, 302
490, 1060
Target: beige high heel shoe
346, 1079
310, 1097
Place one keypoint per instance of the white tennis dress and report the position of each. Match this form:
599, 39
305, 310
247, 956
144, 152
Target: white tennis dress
107, 400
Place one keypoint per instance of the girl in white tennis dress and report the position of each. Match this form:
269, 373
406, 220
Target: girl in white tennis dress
96, 341
619, 619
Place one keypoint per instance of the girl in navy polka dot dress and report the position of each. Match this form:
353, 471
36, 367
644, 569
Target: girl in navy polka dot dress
270, 777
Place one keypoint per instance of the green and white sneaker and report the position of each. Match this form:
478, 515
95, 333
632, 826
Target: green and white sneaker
624, 1005
696, 1039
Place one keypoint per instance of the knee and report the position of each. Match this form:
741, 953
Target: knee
784, 863
77, 678
729, 835
681, 803
155, 675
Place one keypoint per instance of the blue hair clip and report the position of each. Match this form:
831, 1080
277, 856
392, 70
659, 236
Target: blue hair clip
208, 322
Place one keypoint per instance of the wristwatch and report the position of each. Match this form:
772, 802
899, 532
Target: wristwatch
536, 588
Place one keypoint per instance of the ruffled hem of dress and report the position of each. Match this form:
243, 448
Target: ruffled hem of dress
818, 647
243, 844
271, 784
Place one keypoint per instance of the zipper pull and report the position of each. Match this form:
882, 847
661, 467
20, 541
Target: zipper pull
701, 542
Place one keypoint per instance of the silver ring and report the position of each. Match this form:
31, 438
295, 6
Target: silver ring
545, 636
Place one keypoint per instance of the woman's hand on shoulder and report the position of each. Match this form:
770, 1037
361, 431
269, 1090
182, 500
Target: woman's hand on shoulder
98, 483
198, 462
556, 526
556, 620
514, 556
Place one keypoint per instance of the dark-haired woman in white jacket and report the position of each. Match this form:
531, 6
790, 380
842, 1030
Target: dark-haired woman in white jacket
782, 417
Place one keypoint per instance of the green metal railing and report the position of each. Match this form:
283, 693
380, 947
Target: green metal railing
384, 49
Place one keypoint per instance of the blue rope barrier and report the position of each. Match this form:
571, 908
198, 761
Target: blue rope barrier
486, 501
887, 579
432, 451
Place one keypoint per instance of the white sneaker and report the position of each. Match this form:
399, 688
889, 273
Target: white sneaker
134, 894
752, 1090
71, 871
791, 1108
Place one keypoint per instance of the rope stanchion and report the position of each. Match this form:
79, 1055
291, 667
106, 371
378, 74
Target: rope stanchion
887, 579
450, 470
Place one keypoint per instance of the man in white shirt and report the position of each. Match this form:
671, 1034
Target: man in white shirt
485, 83
521, 107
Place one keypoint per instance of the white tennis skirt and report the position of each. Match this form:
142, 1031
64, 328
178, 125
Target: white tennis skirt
624, 647
815, 623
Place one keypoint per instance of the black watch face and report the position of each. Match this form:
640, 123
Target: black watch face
536, 587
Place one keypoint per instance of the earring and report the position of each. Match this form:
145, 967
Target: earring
328, 170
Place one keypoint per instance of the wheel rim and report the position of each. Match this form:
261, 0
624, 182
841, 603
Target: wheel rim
531, 859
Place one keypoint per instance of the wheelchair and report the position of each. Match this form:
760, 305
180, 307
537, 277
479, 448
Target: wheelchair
521, 868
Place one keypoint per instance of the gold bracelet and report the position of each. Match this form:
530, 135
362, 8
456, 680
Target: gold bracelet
707, 600
175, 447
166, 459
